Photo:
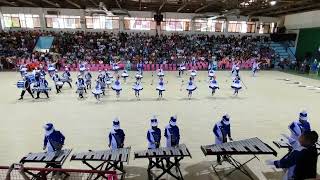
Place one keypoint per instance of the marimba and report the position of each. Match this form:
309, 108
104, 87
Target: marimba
114, 158
164, 154
284, 144
51, 159
252, 146
57, 157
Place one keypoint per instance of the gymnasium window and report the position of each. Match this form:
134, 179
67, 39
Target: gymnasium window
176, 25
135, 23
21, 20
68, 22
208, 25
264, 28
102, 22
237, 26
251, 27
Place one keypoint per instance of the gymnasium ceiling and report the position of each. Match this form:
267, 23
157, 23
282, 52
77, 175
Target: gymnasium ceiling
241, 7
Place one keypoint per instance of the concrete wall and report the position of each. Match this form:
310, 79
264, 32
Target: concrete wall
80, 12
295, 22
303, 20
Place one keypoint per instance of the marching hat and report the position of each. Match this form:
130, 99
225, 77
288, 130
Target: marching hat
303, 115
116, 123
226, 119
173, 120
48, 128
154, 121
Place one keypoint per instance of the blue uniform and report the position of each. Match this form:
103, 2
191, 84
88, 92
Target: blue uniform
54, 141
297, 128
154, 137
116, 138
172, 134
221, 131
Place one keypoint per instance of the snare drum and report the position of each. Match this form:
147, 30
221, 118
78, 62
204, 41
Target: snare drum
59, 83
21, 84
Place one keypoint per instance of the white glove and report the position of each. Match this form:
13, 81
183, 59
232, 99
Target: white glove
286, 136
269, 162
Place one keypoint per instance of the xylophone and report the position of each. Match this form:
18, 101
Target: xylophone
57, 157
162, 155
178, 151
284, 144
252, 146
51, 159
247, 146
114, 158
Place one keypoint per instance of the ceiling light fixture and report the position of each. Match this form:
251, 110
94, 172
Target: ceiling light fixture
272, 3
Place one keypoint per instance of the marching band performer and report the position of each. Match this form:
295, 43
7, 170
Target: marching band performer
137, 88
41, 70
53, 139
172, 133
255, 68
140, 67
66, 76
57, 81
101, 79
51, 69
297, 128
124, 75
82, 69
193, 73
300, 163
181, 68
211, 74
191, 87
213, 64
235, 72
233, 68
116, 135
236, 85
154, 134
213, 85
36, 74
160, 88
23, 69
108, 78
97, 91
221, 131
117, 86
115, 67
24, 85
81, 87
160, 73
138, 76
88, 77
42, 87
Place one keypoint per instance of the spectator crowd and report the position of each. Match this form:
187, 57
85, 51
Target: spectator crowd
106, 47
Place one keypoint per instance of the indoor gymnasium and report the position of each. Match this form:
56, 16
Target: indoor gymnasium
161, 89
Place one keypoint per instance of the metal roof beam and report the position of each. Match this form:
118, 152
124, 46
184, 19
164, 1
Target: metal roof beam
73, 4
183, 6
162, 5
51, 3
